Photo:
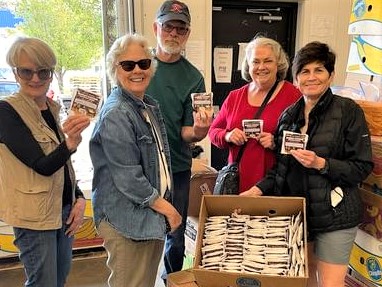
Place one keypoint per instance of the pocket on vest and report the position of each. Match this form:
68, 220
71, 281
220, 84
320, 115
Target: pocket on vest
34, 203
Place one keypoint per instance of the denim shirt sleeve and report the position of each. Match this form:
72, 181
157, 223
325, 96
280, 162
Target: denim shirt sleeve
122, 149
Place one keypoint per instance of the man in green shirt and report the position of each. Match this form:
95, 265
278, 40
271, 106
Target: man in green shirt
174, 81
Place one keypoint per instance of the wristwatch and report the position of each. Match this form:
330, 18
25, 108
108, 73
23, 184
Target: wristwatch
325, 169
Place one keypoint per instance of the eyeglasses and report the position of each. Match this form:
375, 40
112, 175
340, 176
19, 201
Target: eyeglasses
128, 66
27, 74
180, 30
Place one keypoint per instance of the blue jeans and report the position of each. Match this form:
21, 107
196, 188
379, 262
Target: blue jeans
174, 247
45, 254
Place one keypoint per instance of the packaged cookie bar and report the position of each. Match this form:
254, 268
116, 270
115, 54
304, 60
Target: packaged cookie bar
202, 101
293, 141
85, 102
252, 128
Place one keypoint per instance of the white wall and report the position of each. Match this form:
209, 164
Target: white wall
321, 20
326, 21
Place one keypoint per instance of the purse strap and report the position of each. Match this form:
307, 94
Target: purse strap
256, 116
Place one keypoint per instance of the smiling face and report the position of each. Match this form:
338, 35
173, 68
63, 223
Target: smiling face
35, 87
137, 80
313, 80
263, 66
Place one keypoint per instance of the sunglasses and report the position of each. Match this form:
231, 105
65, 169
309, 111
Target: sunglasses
180, 30
27, 74
128, 66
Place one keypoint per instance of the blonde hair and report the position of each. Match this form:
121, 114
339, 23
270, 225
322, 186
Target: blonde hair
35, 49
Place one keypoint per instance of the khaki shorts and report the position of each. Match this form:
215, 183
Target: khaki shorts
335, 247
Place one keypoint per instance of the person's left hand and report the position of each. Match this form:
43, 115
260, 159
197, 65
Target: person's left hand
73, 127
307, 158
76, 216
266, 140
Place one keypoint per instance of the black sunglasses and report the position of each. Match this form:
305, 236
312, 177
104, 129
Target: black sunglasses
128, 66
27, 74
180, 30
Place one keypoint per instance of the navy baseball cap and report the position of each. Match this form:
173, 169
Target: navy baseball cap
173, 10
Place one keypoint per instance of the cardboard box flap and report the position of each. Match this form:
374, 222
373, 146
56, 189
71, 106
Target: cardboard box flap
201, 166
181, 278
200, 184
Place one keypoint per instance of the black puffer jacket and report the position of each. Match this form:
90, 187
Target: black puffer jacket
337, 132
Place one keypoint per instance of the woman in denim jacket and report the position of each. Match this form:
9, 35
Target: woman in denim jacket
132, 175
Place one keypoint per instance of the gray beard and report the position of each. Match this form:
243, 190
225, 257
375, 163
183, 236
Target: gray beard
171, 49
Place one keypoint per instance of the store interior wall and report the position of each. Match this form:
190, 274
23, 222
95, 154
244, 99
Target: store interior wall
321, 20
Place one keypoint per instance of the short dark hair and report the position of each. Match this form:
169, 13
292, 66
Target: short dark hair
314, 52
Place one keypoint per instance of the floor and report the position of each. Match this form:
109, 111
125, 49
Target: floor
87, 271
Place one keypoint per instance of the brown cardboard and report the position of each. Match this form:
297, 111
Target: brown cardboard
375, 176
202, 182
225, 205
373, 114
183, 278
369, 197
372, 215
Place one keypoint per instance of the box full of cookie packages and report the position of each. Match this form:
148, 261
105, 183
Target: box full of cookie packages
251, 241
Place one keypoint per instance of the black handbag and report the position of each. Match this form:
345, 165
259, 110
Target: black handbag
227, 181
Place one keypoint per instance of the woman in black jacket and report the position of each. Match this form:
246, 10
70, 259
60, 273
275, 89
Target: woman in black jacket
337, 157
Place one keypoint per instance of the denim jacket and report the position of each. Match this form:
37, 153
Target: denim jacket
126, 177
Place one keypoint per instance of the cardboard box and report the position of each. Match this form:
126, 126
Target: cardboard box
372, 217
203, 178
366, 258
184, 278
366, 17
225, 205
376, 175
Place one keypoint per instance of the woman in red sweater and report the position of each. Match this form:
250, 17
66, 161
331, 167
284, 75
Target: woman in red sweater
265, 63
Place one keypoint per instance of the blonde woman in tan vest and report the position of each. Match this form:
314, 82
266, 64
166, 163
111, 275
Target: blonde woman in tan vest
39, 196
